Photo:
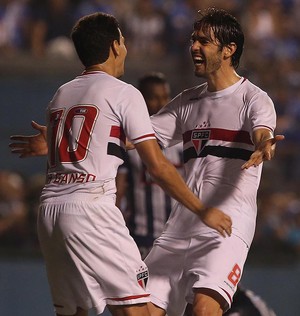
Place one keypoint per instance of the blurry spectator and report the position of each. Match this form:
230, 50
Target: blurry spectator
180, 17
13, 210
51, 22
118, 8
145, 31
288, 102
34, 187
13, 15
262, 21
290, 230
278, 224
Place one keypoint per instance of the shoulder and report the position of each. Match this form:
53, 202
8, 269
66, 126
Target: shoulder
250, 91
187, 96
194, 92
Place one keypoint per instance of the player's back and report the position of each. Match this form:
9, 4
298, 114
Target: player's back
85, 135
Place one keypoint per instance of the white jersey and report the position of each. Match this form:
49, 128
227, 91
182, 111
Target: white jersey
216, 129
88, 121
150, 205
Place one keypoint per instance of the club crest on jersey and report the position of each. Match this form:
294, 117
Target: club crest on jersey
199, 138
142, 276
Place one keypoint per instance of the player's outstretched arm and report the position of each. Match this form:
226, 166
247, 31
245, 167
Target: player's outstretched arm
265, 144
30, 145
166, 176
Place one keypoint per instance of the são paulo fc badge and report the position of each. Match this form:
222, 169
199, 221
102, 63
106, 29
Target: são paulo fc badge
142, 276
199, 138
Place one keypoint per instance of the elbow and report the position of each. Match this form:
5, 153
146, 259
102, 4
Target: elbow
157, 172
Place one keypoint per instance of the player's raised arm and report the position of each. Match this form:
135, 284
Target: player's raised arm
30, 145
265, 144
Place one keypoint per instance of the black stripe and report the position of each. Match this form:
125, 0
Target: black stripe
168, 205
218, 151
149, 207
116, 150
147, 181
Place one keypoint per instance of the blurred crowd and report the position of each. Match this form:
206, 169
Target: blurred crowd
158, 30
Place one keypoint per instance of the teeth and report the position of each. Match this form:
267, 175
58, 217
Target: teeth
198, 59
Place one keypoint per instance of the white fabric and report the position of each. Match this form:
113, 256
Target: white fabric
214, 123
90, 257
98, 111
179, 265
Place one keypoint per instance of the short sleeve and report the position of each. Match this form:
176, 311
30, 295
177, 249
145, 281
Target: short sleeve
134, 116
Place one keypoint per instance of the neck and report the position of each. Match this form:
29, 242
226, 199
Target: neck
222, 81
94, 68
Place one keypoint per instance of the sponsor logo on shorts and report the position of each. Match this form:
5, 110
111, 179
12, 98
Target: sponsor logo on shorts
142, 276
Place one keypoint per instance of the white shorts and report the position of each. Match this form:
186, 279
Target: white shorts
179, 266
91, 259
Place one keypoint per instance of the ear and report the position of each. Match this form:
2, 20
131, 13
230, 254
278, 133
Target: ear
229, 50
115, 46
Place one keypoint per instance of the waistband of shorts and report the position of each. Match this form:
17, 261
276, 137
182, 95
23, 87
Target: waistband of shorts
78, 193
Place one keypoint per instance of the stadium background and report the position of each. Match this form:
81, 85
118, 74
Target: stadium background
157, 33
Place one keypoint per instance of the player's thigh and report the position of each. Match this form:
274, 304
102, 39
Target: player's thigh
166, 284
155, 310
129, 310
216, 264
203, 305
208, 302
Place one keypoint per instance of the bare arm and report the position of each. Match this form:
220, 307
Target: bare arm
31, 145
265, 143
166, 175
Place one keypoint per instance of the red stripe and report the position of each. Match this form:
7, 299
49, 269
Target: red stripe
117, 132
223, 134
144, 136
129, 297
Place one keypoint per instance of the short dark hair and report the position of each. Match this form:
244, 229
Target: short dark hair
149, 79
226, 30
93, 35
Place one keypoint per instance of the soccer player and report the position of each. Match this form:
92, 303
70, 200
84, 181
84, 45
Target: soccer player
146, 206
226, 125
91, 259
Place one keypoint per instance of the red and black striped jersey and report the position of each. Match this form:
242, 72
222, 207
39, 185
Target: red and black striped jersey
216, 129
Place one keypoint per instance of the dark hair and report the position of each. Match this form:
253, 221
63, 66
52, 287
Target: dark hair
93, 35
149, 79
226, 30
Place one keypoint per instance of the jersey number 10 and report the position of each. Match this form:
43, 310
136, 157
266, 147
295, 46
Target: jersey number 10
70, 133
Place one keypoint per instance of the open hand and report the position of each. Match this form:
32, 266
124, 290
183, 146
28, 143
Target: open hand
31, 145
218, 220
265, 151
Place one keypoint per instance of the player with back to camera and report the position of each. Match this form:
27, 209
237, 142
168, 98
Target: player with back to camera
91, 259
